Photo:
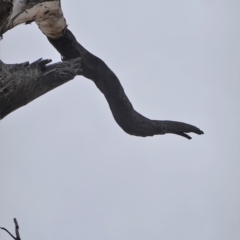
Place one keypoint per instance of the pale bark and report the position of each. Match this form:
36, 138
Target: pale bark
47, 14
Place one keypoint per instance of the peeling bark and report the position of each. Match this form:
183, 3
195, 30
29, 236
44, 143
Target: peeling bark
47, 14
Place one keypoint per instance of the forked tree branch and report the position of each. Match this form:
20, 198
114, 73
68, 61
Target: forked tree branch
16, 230
22, 83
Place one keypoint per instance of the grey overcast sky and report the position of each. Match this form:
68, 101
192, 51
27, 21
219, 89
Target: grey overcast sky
67, 171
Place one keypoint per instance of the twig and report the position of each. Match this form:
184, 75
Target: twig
16, 230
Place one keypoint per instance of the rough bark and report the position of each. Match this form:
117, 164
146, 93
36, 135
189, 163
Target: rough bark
22, 83
5, 10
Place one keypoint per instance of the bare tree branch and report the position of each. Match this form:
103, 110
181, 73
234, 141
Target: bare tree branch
107, 82
16, 230
22, 83
8, 232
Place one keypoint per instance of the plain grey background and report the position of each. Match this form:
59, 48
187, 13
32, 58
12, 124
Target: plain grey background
67, 171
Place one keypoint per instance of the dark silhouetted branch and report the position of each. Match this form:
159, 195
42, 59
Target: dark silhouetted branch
16, 230
107, 82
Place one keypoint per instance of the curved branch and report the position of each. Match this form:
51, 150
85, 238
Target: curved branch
8, 232
107, 82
